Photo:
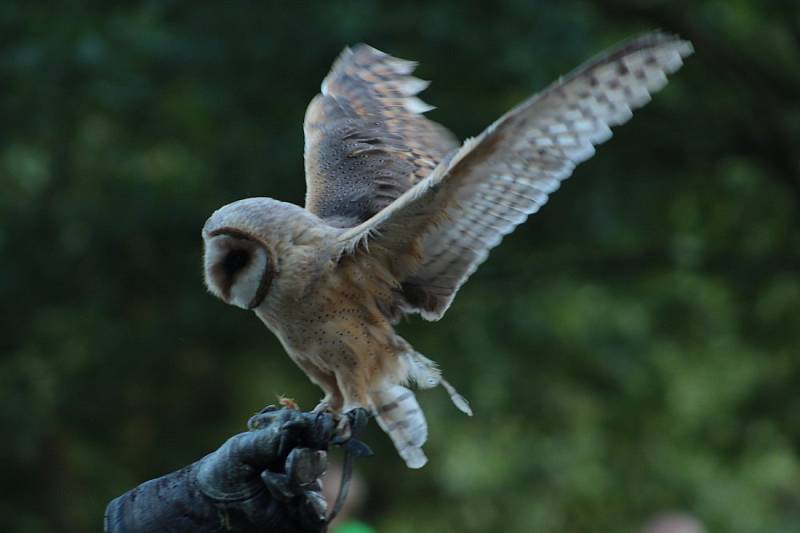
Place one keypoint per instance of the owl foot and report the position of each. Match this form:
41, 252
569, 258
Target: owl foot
323, 406
349, 427
304, 466
349, 424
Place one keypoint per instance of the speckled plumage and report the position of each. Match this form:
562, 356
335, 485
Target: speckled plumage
397, 218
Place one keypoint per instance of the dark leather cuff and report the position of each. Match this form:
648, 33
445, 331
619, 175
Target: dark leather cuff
175, 503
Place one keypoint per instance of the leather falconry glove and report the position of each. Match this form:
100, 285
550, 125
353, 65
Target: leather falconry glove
266, 479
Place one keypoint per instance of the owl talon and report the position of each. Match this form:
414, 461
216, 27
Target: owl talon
342, 432
358, 418
322, 407
349, 425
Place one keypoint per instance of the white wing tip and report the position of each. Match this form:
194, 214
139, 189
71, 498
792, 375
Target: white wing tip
411, 85
416, 105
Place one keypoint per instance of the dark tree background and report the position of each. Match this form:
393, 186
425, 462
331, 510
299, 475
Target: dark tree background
632, 349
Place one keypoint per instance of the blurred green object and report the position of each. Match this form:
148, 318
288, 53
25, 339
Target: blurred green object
633, 349
351, 526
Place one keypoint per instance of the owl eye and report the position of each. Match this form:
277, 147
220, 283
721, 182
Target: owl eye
235, 261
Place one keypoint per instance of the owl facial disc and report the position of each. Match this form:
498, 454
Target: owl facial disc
237, 267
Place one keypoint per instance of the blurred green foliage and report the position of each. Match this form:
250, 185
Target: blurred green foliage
632, 349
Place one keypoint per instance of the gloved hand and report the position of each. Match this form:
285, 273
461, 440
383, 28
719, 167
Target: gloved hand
285, 453
266, 479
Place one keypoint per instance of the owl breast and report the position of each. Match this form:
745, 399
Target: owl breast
337, 326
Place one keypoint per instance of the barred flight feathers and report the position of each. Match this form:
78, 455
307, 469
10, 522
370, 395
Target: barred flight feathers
399, 415
367, 141
494, 182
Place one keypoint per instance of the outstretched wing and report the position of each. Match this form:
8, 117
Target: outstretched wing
367, 141
495, 181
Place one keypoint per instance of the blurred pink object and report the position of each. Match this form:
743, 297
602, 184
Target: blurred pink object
673, 522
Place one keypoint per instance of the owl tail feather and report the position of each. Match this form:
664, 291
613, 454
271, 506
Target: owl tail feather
398, 414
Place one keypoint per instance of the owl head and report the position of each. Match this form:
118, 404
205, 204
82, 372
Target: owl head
239, 258
249, 242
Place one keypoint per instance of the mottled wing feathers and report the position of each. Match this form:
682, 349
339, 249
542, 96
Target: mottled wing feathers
495, 181
366, 139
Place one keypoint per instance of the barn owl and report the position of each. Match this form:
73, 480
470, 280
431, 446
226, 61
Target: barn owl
398, 215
